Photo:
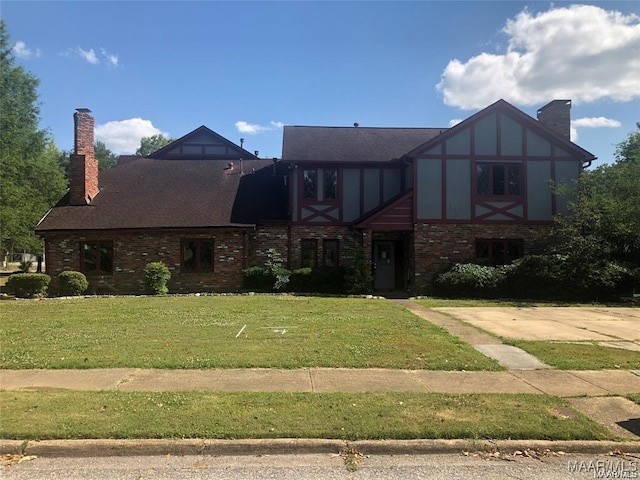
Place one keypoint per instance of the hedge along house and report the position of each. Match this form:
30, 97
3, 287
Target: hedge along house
413, 200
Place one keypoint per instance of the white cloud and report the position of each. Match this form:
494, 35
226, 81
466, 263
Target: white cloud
595, 122
254, 128
453, 122
123, 136
111, 58
581, 52
591, 122
89, 55
21, 50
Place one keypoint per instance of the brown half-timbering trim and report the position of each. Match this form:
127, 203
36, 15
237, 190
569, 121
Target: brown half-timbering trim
498, 210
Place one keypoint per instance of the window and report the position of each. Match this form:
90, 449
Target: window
309, 253
330, 184
498, 252
498, 179
309, 183
330, 257
97, 258
197, 256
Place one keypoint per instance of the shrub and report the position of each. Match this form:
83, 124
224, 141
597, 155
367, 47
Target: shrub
72, 283
25, 266
358, 277
156, 276
28, 285
274, 266
566, 277
469, 280
258, 278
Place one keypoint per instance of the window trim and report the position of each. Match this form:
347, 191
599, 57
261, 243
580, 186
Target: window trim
98, 262
326, 198
198, 242
309, 241
313, 197
490, 259
324, 251
497, 196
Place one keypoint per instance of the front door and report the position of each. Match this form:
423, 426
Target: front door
385, 271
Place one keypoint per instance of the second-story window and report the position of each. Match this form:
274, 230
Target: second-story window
330, 184
498, 179
309, 178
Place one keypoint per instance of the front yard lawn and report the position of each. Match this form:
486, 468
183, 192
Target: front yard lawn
353, 416
226, 332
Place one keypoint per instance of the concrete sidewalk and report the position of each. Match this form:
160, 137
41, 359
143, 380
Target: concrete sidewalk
552, 382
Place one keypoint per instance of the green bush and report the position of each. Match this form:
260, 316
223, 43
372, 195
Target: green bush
156, 276
470, 280
357, 277
566, 277
28, 285
25, 266
259, 279
72, 283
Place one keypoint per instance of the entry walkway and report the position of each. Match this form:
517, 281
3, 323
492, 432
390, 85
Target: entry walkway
508, 356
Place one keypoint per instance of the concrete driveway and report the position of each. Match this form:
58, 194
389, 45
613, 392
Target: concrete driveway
572, 324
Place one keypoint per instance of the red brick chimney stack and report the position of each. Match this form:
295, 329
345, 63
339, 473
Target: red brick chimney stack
83, 169
556, 116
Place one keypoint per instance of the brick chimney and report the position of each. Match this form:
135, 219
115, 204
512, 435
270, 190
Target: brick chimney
83, 167
556, 116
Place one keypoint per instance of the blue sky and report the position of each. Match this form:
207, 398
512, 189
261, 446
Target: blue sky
244, 69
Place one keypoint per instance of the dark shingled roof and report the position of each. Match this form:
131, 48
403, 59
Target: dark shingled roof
352, 144
146, 193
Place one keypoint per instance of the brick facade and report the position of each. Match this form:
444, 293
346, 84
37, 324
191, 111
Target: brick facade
438, 246
83, 166
132, 252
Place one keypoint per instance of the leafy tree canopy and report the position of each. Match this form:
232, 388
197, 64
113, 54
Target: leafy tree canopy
605, 220
31, 177
148, 145
106, 158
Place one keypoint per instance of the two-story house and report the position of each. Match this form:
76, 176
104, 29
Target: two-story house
414, 200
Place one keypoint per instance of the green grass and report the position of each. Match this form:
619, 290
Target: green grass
202, 332
114, 414
578, 356
634, 397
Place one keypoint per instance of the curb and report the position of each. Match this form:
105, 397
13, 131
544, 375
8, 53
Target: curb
290, 446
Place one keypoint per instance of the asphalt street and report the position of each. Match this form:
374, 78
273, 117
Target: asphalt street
326, 467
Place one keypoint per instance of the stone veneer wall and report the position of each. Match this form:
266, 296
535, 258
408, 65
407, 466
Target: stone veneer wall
132, 252
438, 246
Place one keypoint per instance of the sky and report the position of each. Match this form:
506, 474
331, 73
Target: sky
245, 69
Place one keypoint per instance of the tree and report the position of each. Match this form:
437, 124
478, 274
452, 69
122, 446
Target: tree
604, 224
31, 179
148, 145
106, 158
629, 150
